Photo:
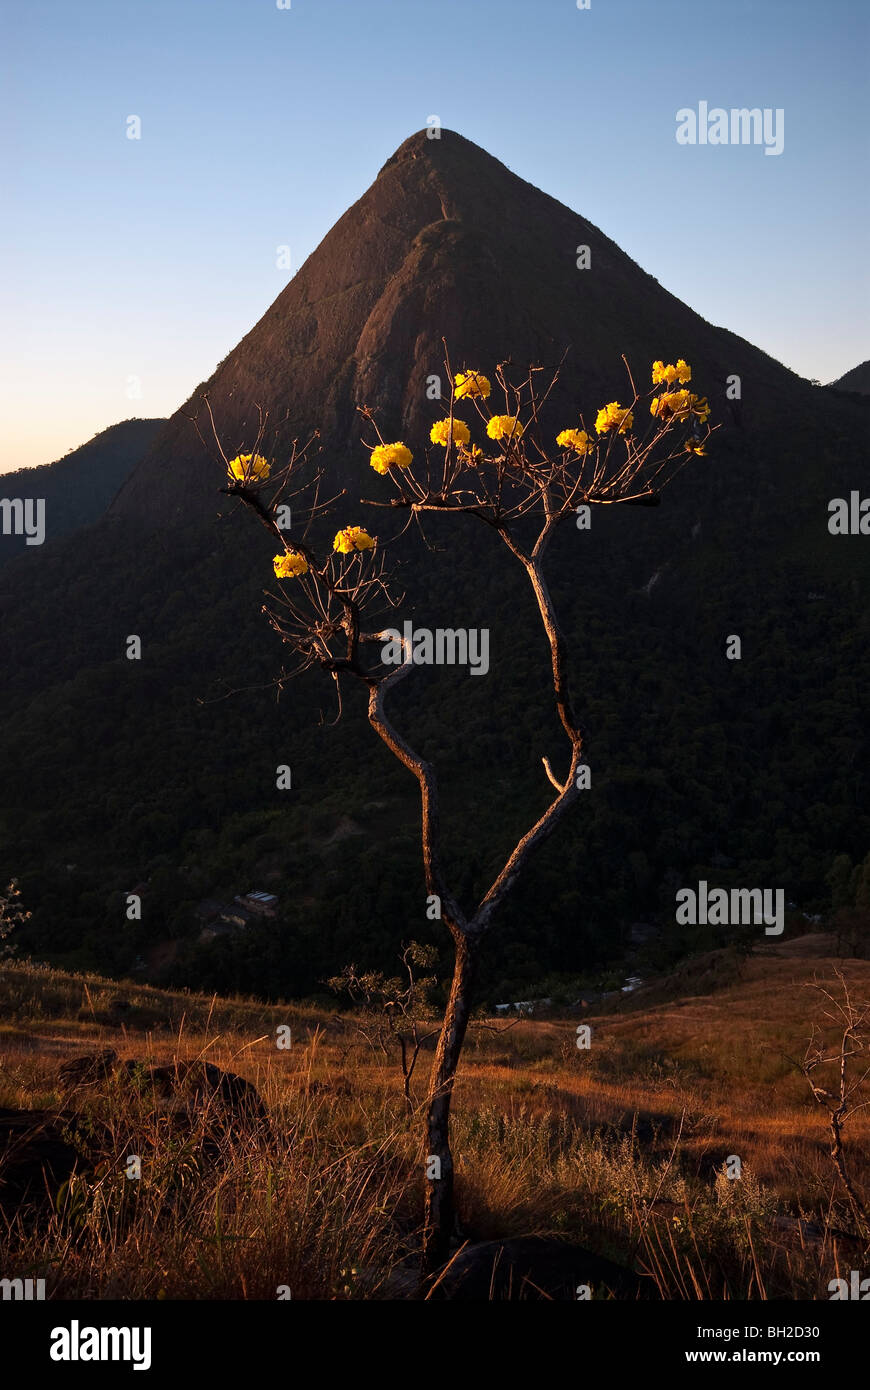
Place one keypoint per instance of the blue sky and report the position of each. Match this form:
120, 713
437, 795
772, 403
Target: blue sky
150, 259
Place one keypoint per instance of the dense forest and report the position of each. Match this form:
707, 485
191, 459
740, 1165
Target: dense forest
161, 772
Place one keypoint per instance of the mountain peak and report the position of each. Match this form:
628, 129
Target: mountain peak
447, 243
447, 150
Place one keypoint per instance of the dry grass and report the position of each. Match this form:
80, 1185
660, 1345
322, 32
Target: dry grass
619, 1148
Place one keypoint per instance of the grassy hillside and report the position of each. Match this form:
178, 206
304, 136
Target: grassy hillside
618, 1149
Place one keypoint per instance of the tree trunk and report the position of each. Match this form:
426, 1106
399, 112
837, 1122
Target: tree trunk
438, 1221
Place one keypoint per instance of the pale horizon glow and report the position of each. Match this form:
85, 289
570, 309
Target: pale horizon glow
151, 259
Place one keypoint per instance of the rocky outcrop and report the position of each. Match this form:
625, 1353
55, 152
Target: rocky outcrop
535, 1267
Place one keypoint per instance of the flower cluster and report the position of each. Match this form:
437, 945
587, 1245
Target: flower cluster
666, 375
504, 427
679, 405
384, 456
353, 538
614, 416
440, 432
248, 468
291, 565
576, 440
472, 384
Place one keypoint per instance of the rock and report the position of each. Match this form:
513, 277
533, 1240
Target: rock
89, 1070
535, 1267
206, 1085
192, 1088
184, 1090
35, 1158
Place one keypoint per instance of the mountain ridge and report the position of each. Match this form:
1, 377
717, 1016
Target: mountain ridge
78, 487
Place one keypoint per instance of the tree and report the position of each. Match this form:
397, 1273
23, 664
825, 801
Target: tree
394, 1010
12, 914
523, 489
838, 1075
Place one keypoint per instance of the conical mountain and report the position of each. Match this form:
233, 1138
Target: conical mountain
119, 771
446, 243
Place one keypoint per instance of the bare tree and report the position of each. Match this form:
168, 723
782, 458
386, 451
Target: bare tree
837, 1075
394, 1010
523, 488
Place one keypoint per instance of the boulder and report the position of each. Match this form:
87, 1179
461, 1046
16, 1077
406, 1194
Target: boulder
534, 1268
88, 1070
36, 1157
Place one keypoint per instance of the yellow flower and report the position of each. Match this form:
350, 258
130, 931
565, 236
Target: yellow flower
504, 427
472, 384
667, 375
614, 416
440, 432
385, 455
679, 405
291, 565
578, 440
693, 446
353, 538
249, 468
471, 455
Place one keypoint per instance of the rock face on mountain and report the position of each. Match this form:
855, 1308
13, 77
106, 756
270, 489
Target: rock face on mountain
446, 243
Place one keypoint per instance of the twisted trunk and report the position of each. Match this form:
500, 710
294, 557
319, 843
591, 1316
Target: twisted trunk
439, 1217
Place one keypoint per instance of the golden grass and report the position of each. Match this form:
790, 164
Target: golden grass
617, 1148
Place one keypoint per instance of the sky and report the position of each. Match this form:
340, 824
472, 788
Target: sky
133, 266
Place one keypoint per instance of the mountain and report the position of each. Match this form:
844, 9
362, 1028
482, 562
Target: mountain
447, 242
161, 771
78, 488
858, 379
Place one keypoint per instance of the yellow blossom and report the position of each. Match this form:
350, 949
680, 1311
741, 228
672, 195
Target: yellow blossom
472, 384
694, 446
614, 416
504, 427
667, 375
249, 468
440, 432
472, 454
679, 405
291, 565
578, 440
385, 455
352, 538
